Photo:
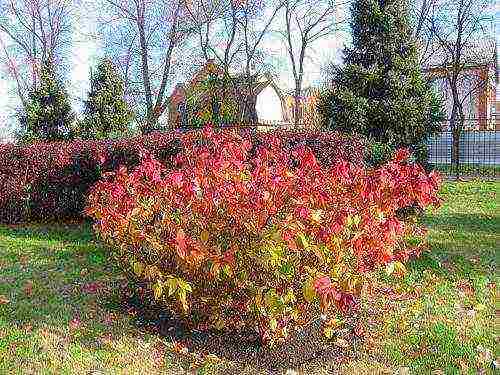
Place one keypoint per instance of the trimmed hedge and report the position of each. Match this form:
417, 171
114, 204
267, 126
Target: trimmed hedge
49, 181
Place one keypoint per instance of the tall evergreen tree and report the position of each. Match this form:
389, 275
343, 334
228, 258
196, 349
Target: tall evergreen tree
106, 112
48, 115
380, 90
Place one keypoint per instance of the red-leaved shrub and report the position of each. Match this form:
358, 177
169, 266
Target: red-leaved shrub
50, 181
237, 235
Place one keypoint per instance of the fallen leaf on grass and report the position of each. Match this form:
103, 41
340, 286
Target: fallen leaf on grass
180, 348
484, 355
109, 319
359, 330
74, 323
465, 287
91, 288
4, 300
212, 358
464, 367
106, 339
158, 354
28, 288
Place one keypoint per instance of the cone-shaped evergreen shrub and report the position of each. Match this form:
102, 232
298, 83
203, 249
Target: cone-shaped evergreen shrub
380, 90
107, 114
48, 115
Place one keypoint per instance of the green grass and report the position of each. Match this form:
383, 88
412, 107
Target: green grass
62, 314
469, 169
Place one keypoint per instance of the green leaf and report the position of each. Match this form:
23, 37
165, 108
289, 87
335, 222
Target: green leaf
138, 268
302, 241
308, 290
287, 269
273, 324
273, 301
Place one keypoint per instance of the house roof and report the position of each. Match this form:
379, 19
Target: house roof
306, 92
259, 82
478, 52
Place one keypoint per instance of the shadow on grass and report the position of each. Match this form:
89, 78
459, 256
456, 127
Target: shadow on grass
466, 223
78, 232
461, 245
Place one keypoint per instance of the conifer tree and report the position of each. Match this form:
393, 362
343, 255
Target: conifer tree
380, 90
106, 112
48, 115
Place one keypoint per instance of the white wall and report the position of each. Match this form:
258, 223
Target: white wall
268, 105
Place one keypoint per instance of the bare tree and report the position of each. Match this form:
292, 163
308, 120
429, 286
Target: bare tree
33, 32
457, 30
256, 19
142, 36
215, 24
305, 23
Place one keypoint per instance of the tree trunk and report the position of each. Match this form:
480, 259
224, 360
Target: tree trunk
456, 123
296, 109
455, 147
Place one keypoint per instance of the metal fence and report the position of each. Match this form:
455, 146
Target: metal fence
478, 154
479, 150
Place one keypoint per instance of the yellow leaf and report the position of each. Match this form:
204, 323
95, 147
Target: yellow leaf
316, 216
172, 286
400, 268
204, 235
138, 268
302, 241
184, 286
396, 267
181, 294
290, 297
356, 219
328, 332
227, 270
480, 307
219, 324
389, 268
157, 289
334, 323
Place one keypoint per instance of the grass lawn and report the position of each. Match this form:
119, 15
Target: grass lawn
61, 310
469, 169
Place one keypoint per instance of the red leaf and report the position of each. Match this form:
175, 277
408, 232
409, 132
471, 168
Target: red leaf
180, 241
